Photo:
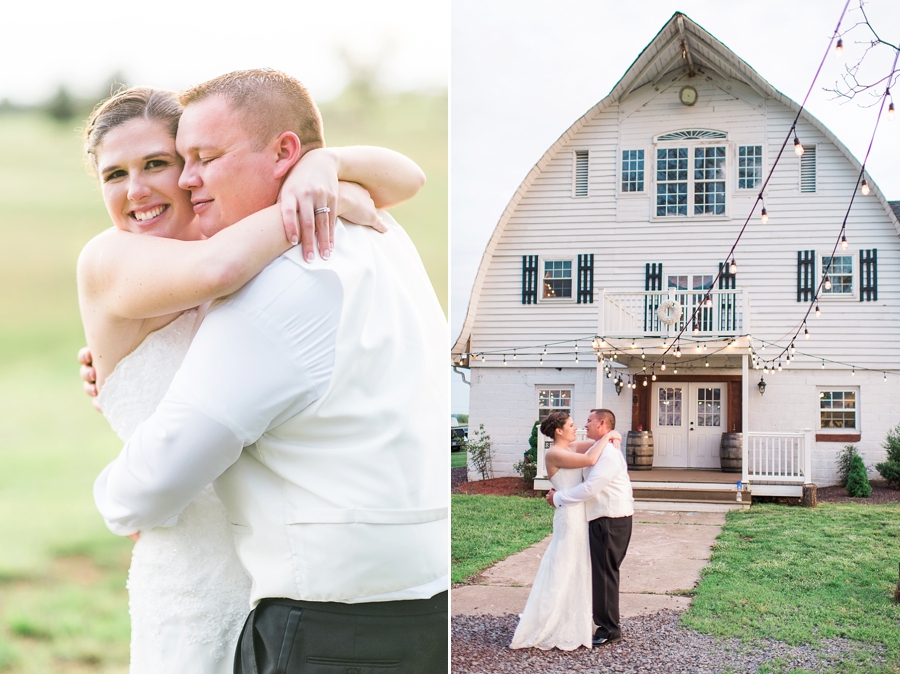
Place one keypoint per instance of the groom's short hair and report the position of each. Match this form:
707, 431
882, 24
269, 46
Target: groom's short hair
607, 416
270, 103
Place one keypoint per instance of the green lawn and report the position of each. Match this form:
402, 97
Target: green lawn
458, 459
63, 606
486, 529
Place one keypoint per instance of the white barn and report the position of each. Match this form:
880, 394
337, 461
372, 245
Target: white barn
637, 204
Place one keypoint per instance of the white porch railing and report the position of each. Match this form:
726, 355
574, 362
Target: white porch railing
544, 444
633, 314
777, 457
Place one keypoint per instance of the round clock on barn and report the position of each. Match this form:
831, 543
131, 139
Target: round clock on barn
688, 95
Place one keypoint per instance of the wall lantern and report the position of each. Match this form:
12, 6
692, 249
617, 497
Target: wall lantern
761, 386
619, 386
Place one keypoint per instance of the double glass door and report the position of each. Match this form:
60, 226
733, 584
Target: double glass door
688, 420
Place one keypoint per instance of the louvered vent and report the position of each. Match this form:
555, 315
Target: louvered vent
581, 173
808, 169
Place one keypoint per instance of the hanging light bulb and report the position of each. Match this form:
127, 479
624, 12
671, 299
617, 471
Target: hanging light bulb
798, 148
678, 350
696, 327
653, 376
704, 346
864, 188
545, 350
885, 375
708, 302
576, 356
764, 216
827, 284
805, 333
853, 372
644, 368
504, 359
662, 366
766, 368
793, 350
699, 346
779, 366
732, 268
615, 356
542, 359
707, 363
643, 356
632, 343
844, 243
839, 48
818, 313
675, 370
823, 364
645, 381
891, 112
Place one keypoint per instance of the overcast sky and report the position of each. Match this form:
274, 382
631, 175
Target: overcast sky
522, 73
177, 43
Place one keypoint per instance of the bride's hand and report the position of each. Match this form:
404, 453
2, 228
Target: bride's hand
356, 206
616, 438
312, 184
88, 375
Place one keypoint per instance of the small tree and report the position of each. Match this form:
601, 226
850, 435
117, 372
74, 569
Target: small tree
890, 469
845, 458
857, 481
527, 467
481, 454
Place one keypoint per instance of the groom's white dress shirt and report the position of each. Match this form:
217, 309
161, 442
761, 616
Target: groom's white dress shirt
316, 399
606, 489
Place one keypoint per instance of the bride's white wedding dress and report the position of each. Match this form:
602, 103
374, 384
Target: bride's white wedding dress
558, 611
188, 593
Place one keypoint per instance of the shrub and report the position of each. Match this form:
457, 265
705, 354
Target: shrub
857, 481
843, 463
890, 469
481, 454
527, 467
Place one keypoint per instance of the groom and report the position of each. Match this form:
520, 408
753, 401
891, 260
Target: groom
315, 398
609, 505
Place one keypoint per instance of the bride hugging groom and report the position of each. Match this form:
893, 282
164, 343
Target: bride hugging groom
577, 584
312, 394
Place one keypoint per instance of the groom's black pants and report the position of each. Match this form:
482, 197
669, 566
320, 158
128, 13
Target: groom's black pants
609, 538
285, 636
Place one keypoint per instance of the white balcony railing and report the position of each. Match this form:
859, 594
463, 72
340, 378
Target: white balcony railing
634, 314
777, 457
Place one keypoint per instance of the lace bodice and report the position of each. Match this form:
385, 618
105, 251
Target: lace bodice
188, 593
134, 389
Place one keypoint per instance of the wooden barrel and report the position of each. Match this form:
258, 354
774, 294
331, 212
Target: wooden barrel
639, 450
730, 452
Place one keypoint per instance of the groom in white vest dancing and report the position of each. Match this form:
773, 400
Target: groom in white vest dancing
609, 506
316, 399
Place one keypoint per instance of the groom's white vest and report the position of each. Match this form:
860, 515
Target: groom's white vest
349, 499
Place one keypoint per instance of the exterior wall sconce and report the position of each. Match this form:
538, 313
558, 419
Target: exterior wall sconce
619, 386
761, 386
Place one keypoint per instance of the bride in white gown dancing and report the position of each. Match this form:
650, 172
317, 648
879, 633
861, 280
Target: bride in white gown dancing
188, 594
558, 611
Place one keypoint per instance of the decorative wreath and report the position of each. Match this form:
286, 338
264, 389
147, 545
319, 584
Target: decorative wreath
669, 312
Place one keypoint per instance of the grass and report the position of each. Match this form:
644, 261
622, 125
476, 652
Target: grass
458, 459
486, 529
801, 575
63, 605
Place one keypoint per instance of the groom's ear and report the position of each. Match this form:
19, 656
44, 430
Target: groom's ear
288, 150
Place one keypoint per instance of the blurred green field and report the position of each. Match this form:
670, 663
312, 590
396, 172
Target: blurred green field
63, 606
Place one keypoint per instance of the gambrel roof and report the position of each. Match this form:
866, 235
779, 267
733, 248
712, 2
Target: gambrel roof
681, 46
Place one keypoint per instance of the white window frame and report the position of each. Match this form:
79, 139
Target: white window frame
854, 282
737, 168
552, 387
856, 409
540, 280
575, 153
691, 145
649, 153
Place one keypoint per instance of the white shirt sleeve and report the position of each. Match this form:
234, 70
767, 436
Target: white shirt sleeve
598, 478
258, 359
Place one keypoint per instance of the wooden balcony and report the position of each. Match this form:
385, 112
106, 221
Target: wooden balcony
636, 314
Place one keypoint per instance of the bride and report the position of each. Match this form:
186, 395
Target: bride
142, 299
558, 611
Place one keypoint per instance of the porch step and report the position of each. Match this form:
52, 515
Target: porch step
687, 492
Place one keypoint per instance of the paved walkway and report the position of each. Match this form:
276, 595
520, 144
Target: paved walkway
666, 553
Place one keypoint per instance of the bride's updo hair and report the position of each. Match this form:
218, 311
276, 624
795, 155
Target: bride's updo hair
553, 423
138, 102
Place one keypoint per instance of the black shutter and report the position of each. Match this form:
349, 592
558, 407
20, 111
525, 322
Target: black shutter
529, 279
806, 275
726, 278
652, 281
868, 275
653, 278
586, 278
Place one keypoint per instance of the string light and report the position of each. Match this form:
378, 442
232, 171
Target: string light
839, 48
823, 364
818, 313
662, 365
779, 366
653, 376
645, 381
708, 302
798, 148
853, 372
793, 350
504, 359
764, 216
885, 375
633, 343
844, 243
678, 350
707, 362
643, 356
514, 354
891, 112
827, 284
732, 268
675, 370
805, 332
864, 188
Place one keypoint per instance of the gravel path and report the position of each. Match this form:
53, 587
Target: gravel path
653, 644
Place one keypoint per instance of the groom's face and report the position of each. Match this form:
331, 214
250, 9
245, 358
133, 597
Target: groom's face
229, 175
595, 427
